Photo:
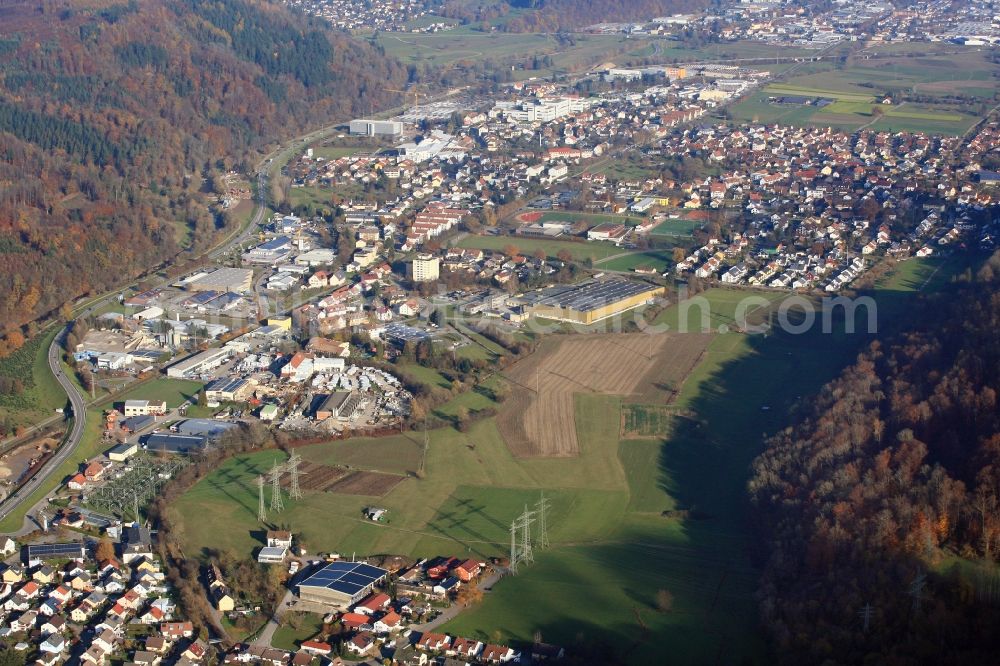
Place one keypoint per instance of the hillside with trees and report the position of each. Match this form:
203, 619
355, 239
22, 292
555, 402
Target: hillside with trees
117, 118
882, 503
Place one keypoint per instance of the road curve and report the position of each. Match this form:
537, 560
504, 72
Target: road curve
79, 414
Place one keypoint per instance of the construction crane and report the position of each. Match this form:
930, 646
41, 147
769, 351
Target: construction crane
412, 91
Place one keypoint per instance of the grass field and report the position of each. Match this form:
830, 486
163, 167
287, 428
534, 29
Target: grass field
716, 308
303, 627
310, 196
173, 391
580, 251
656, 260
676, 227
859, 86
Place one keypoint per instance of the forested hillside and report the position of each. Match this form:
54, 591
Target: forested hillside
886, 496
114, 116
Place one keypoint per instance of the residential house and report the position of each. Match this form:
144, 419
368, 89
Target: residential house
463, 648
389, 622
361, 644
54, 643
497, 654
373, 603
174, 630
433, 642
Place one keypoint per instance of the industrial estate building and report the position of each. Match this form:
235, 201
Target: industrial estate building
144, 408
590, 301
222, 279
341, 584
201, 362
338, 405
365, 127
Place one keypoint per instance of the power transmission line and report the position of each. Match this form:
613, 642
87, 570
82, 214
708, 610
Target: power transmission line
261, 513
526, 554
866, 616
293, 469
276, 503
542, 508
513, 546
917, 591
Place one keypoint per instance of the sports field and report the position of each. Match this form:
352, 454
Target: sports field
656, 260
677, 227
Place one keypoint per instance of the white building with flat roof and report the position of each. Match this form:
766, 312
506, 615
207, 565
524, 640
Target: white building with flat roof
366, 127
199, 363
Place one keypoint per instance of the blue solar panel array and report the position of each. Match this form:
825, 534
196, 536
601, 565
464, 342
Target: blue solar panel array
56, 551
350, 578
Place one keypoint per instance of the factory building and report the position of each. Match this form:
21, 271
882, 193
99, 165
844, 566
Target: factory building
341, 584
591, 301
235, 280
365, 127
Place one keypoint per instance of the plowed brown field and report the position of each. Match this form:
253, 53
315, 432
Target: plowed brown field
539, 419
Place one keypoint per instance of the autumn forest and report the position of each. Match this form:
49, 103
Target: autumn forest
114, 116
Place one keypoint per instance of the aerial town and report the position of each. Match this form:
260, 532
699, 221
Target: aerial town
432, 392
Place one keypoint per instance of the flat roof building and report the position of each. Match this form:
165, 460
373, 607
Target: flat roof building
123, 452
227, 389
366, 127
177, 444
75, 550
591, 301
341, 584
224, 280
424, 268
200, 362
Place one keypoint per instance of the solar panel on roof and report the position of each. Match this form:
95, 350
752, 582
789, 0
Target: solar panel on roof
55, 550
347, 577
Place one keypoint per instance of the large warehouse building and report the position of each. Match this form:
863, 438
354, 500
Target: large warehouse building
590, 301
341, 584
237, 280
368, 127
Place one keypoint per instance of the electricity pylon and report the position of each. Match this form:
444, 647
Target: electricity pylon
542, 508
261, 513
293, 469
276, 504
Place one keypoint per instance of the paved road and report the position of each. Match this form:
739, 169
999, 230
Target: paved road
79, 412
267, 633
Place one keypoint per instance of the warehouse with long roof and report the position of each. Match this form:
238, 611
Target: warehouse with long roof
590, 301
341, 584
